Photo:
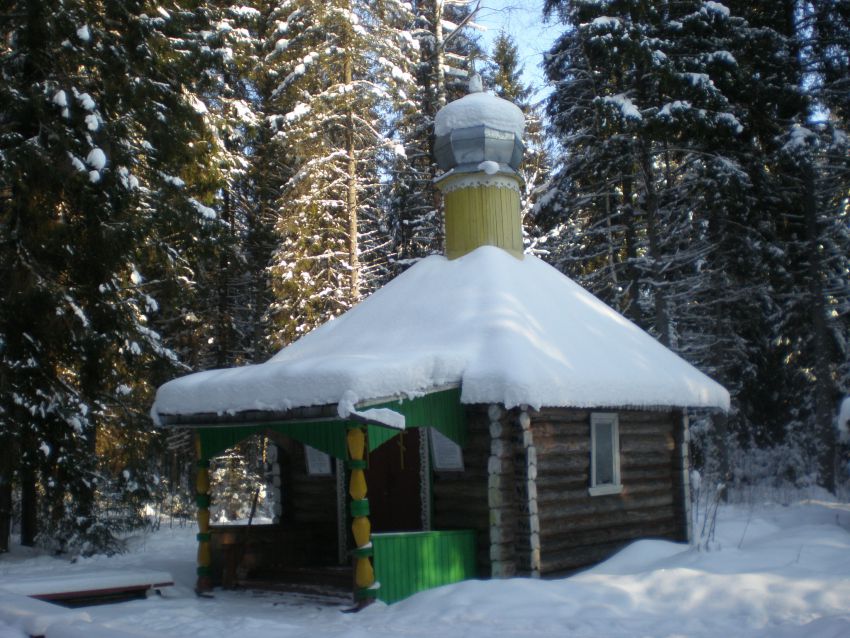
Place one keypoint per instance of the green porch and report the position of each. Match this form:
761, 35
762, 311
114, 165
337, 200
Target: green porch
390, 561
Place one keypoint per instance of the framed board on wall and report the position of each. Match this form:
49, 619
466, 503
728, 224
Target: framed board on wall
318, 462
447, 455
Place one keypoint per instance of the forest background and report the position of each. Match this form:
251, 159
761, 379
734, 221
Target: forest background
196, 183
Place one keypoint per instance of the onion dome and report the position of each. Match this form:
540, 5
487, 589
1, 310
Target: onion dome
479, 129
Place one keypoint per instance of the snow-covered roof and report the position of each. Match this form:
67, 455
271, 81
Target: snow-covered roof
506, 330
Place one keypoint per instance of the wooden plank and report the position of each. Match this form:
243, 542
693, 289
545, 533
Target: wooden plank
646, 459
449, 504
646, 428
478, 520
634, 474
78, 583
550, 528
579, 497
563, 447
558, 415
470, 486
657, 528
646, 416
566, 561
560, 482
573, 465
637, 443
600, 505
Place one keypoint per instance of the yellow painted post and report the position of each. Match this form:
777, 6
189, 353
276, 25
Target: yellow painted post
202, 498
364, 574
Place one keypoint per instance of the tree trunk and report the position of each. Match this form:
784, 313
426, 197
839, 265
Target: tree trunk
439, 55
824, 430
29, 505
223, 345
351, 198
5, 495
631, 307
721, 326
662, 319
258, 258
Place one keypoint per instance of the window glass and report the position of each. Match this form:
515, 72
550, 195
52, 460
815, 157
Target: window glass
604, 453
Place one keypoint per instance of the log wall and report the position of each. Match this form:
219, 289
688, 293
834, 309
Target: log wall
460, 499
528, 539
524, 488
505, 484
308, 504
576, 529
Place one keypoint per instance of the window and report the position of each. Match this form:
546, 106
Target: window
604, 454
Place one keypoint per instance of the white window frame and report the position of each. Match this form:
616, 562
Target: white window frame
608, 419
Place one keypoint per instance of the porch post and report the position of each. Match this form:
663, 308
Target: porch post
202, 498
366, 588
681, 465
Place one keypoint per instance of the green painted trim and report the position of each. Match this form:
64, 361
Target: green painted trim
203, 464
441, 410
327, 436
204, 571
203, 537
216, 440
360, 508
202, 501
409, 562
351, 464
378, 435
363, 552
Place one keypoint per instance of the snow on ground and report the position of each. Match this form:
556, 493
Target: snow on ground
776, 572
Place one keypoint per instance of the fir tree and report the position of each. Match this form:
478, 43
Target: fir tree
232, 328
504, 75
335, 69
445, 57
95, 123
695, 181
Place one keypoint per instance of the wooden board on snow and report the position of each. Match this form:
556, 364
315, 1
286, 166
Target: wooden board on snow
89, 587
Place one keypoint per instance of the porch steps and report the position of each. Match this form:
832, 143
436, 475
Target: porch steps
325, 585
